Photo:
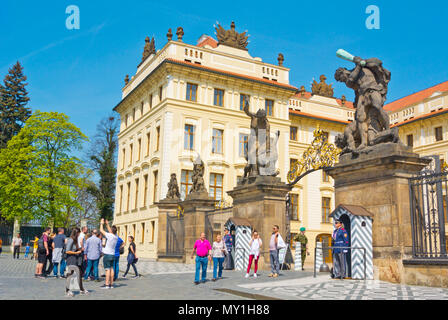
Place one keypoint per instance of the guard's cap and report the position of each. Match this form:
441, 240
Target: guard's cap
337, 221
302, 229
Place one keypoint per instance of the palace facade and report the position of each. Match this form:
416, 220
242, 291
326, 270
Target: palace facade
187, 100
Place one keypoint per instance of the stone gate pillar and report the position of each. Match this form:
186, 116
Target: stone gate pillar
261, 200
166, 207
195, 206
378, 181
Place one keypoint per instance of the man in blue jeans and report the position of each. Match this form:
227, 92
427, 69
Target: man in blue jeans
120, 243
58, 250
92, 250
203, 256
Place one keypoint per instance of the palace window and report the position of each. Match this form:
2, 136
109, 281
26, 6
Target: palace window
145, 189
160, 93
325, 176
192, 90
133, 115
410, 140
269, 107
148, 143
136, 193
150, 101
293, 133
139, 142
131, 151
120, 208
215, 189
143, 233
218, 99
189, 137
243, 98
438, 133
326, 209
124, 158
217, 141
153, 230
156, 174
185, 183
243, 145
129, 196
158, 138
295, 207
141, 109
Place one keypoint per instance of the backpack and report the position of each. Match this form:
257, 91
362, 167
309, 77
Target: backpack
40, 244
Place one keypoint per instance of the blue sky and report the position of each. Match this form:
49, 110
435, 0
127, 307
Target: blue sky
81, 72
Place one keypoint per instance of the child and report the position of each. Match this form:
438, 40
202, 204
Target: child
27, 250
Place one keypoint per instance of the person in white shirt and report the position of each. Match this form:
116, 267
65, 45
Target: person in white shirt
254, 253
109, 252
219, 250
17, 245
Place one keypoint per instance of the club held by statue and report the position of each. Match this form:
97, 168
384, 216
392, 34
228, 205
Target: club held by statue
341, 53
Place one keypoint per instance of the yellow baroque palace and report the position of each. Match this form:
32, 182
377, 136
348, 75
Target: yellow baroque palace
186, 100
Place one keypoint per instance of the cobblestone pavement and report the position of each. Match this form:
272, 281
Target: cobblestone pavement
161, 281
324, 288
169, 281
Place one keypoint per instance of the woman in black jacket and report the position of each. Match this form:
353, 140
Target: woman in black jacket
132, 258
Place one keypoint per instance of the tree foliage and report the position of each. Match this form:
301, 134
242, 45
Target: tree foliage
13, 99
102, 158
39, 175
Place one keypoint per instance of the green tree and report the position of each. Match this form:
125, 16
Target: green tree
38, 173
13, 99
102, 158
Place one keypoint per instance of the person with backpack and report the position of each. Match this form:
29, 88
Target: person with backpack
74, 261
42, 253
58, 253
119, 249
132, 258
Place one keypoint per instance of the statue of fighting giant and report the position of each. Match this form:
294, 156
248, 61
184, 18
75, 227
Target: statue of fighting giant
262, 149
369, 79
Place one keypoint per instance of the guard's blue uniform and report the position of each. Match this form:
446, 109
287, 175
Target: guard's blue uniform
340, 239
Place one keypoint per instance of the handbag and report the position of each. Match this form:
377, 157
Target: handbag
280, 243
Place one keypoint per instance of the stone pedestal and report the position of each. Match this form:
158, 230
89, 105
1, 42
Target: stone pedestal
166, 207
195, 207
378, 181
261, 200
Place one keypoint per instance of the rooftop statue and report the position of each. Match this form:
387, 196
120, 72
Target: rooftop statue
322, 88
369, 79
231, 38
149, 48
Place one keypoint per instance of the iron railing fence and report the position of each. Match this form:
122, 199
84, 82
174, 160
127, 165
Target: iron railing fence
428, 194
175, 235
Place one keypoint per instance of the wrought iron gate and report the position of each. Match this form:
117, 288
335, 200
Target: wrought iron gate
214, 222
175, 236
428, 193
6, 230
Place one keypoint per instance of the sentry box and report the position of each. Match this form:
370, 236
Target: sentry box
358, 224
241, 229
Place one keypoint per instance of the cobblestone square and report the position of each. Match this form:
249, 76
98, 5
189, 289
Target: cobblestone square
173, 281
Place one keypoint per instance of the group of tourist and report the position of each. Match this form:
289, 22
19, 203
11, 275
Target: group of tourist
77, 257
220, 254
